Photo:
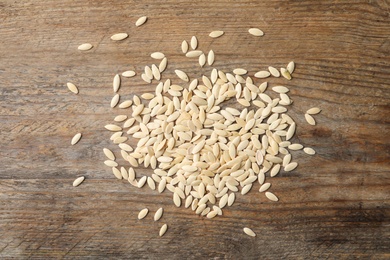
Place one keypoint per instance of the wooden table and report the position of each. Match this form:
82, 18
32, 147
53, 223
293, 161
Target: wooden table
334, 205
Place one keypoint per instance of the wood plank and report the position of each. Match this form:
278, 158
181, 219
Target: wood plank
335, 205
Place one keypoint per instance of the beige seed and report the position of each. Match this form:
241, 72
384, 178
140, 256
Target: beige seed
194, 54
128, 74
116, 83
265, 187
262, 74
184, 46
110, 163
256, 32
156, 72
141, 181
295, 147
274, 72
275, 170
148, 72
151, 183
309, 150
280, 89
216, 34
147, 96
158, 214
285, 73
161, 185
194, 43
124, 173
163, 229
85, 47
176, 200
120, 118
142, 214
271, 196
76, 138
163, 65
138, 109
290, 131
78, 181
125, 147
72, 87
231, 199
146, 78
240, 71
109, 154
113, 128
249, 232
212, 214
131, 173
291, 67
114, 100
291, 166
182, 75
141, 21
116, 173
313, 111
157, 55
210, 57
125, 104
202, 60
119, 36
310, 119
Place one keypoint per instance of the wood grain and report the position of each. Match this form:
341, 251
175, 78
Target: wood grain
336, 204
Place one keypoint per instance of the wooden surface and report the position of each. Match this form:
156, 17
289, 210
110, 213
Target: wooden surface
336, 205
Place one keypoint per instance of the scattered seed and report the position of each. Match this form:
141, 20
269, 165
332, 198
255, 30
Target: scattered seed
163, 65
285, 73
256, 32
119, 36
72, 87
116, 83
78, 181
265, 187
313, 111
157, 55
240, 71
158, 214
249, 232
291, 166
309, 150
182, 75
141, 21
310, 119
274, 72
271, 196
184, 46
216, 34
262, 74
163, 229
110, 163
109, 154
194, 43
142, 214
114, 100
128, 74
194, 54
76, 138
291, 67
85, 47
210, 57
202, 60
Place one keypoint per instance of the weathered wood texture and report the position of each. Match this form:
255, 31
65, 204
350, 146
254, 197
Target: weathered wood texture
335, 205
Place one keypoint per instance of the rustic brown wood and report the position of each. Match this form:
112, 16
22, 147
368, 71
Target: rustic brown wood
335, 205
